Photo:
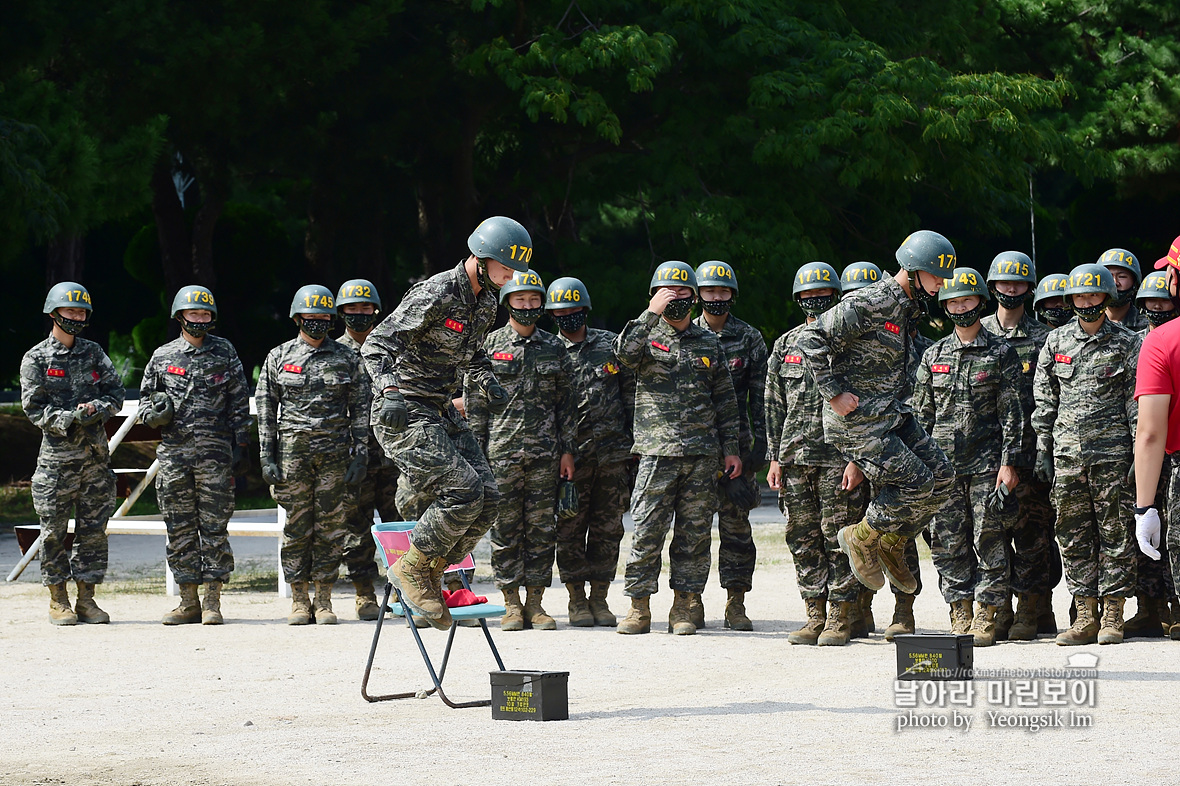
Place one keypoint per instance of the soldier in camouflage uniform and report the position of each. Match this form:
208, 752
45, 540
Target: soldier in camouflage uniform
819, 492
416, 357
313, 432
1011, 278
358, 304
588, 542
686, 429
1124, 266
194, 390
746, 350
1085, 421
1049, 302
69, 389
859, 354
968, 399
530, 445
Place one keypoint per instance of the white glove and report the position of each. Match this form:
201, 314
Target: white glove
1147, 532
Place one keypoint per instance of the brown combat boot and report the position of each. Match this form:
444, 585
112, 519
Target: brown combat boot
1146, 622
513, 618
1085, 627
856, 621
638, 619
864, 603
892, 559
696, 610
983, 626
579, 607
417, 579
816, 616
322, 610
189, 610
1111, 631
598, 606
60, 612
1165, 615
211, 605
85, 607
535, 616
1004, 619
300, 604
367, 608
961, 616
680, 615
1024, 624
860, 543
1046, 622
735, 611
903, 616
837, 630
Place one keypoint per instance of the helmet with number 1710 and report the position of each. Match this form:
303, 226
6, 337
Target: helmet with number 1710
567, 292
673, 274
504, 240
313, 299
858, 275
716, 274
927, 252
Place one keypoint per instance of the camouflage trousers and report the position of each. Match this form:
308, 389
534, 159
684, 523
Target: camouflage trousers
1031, 549
1095, 528
969, 542
816, 509
909, 472
378, 491
313, 493
195, 491
440, 461
524, 537
736, 557
85, 489
588, 543
678, 492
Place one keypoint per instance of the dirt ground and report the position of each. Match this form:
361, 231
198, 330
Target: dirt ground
256, 702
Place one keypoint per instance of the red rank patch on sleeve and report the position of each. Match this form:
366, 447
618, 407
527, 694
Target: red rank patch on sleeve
176, 370
502, 356
794, 359
940, 368
658, 345
94, 375
892, 328
454, 325
55, 372
294, 369
1060, 358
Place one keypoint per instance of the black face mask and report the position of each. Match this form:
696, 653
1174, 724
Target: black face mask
1009, 301
360, 323
717, 307
526, 316
1157, 318
679, 309
817, 305
70, 326
1122, 297
923, 298
967, 318
1056, 316
197, 329
571, 323
316, 328
485, 280
1090, 313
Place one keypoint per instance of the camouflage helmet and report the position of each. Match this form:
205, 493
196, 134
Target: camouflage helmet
966, 282
717, 274
1120, 257
67, 294
816, 275
313, 299
504, 240
567, 292
526, 281
673, 274
1051, 286
193, 297
928, 252
1012, 266
1089, 279
1155, 285
859, 274
357, 290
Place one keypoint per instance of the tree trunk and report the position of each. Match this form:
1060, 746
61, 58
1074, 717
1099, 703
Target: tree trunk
66, 258
319, 242
172, 230
202, 271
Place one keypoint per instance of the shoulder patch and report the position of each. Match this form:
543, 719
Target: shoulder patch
177, 370
502, 356
454, 325
940, 368
1060, 358
892, 328
294, 369
660, 346
794, 359
55, 372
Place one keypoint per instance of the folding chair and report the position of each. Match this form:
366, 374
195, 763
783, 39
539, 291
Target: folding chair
393, 540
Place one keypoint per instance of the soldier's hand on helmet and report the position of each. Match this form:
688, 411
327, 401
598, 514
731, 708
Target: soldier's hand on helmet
741, 492
392, 414
661, 299
88, 414
271, 474
845, 404
774, 476
159, 410
497, 398
853, 477
1147, 531
1043, 468
357, 470
240, 461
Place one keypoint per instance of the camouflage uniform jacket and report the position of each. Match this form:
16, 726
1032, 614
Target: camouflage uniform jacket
746, 349
794, 409
431, 339
210, 397
861, 345
968, 398
919, 343
1026, 338
1133, 321
605, 392
540, 420
684, 400
54, 380
323, 399
376, 454
1085, 393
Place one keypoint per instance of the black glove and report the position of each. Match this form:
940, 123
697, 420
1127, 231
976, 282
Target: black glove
741, 492
567, 499
240, 463
271, 474
757, 456
159, 410
88, 418
357, 470
1044, 466
392, 414
497, 398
